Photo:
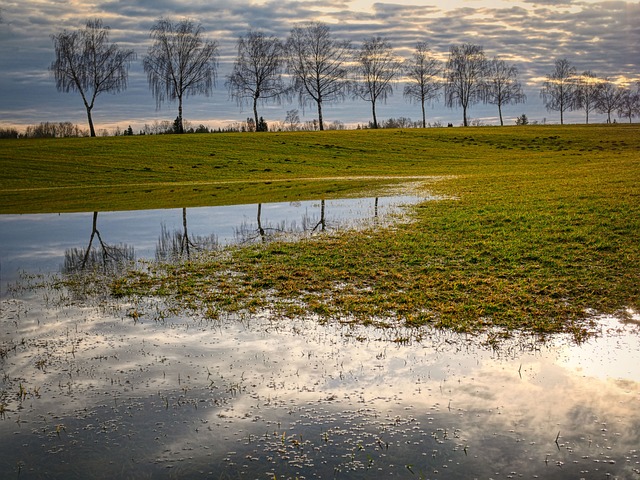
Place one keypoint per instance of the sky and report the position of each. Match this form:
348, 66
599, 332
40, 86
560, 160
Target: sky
601, 36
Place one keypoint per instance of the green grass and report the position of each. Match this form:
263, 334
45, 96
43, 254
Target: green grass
544, 225
120, 173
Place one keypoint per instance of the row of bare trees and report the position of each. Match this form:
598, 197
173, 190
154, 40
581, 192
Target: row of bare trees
566, 90
320, 69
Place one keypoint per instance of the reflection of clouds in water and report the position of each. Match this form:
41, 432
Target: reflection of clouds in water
195, 391
618, 353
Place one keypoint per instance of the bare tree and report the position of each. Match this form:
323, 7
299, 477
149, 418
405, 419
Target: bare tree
503, 87
629, 104
609, 98
559, 90
424, 76
588, 87
180, 62
377, 67
257, 71
465, 77
87, 63
318, 64
292, 120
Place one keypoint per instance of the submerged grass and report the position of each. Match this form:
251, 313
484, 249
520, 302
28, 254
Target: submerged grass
540, 231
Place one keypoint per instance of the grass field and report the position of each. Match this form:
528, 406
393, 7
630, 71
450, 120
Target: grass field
542, 231
121, 173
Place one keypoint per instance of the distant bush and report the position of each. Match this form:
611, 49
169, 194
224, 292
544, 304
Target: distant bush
335, 125
400, 122
9, 133
202, 129
54, 130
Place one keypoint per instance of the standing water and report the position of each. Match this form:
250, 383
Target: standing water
109, 389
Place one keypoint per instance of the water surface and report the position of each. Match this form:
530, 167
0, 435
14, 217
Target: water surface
41, 243
127, 389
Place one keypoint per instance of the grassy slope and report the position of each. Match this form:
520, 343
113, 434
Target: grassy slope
176, 171
545, 225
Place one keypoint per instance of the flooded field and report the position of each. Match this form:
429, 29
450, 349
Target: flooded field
109, 389
43, 243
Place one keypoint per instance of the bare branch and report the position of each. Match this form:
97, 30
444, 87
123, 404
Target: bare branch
609, 98
630, 103
503, 86
588, 87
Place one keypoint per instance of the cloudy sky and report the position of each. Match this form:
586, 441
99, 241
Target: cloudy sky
602, 36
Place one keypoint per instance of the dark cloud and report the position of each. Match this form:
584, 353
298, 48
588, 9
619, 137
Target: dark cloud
599, 36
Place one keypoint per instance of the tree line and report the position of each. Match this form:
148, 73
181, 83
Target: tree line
316, 68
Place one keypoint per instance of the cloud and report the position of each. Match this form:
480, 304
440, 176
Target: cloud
549, 2
599, 36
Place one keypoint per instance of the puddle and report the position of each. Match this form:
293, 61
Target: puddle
44, 243
87, 388
117, 390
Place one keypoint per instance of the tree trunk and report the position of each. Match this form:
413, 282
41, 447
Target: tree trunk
464, 116
91, 127
320, 121
89, 107
255, 112
500, 113
180, 124
94, 229
322, 223
186, 233
261, 231
375, 119
424, 116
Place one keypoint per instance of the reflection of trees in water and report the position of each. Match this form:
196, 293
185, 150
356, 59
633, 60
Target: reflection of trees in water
322, 223
248, 232
177, 244
107, 257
